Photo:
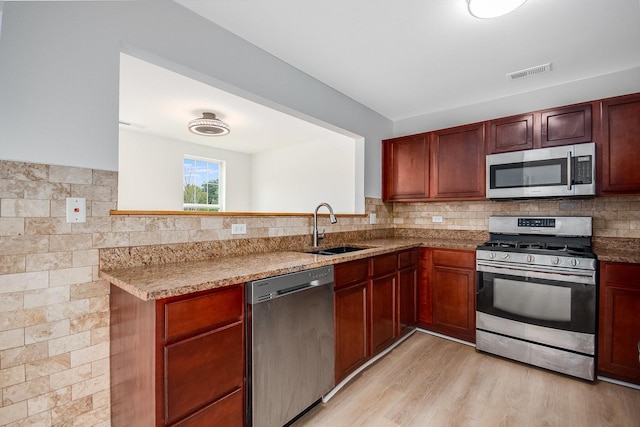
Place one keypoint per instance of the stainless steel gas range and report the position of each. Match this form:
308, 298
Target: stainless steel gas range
536, 293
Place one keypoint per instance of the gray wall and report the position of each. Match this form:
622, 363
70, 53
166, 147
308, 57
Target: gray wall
59, 64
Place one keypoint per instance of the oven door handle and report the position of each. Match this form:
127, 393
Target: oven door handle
497, 267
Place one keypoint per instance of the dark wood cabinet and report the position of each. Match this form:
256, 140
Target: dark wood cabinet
619, 139
447, 293
511, 133
572, 124
458, 163
619, 322
405, 168
447, 164
375, 303
407, 290
178, 361
565, 125
351, 317
383, 294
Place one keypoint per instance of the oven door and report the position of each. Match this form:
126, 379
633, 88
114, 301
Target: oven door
567, 306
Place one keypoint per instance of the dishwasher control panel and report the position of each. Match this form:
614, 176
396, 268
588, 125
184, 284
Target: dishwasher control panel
274, 287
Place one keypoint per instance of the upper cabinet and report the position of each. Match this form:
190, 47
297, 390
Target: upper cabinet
619, 138
405, 168
458, 163
541, 129
428, 166
449, 164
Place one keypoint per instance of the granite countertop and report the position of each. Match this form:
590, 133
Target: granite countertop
165, 280
154, 282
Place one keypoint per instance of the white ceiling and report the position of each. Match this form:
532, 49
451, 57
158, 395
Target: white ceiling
161, 102
413, 57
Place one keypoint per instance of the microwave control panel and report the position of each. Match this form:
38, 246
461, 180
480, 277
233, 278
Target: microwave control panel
583, 167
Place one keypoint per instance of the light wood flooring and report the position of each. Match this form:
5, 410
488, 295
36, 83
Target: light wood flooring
431, 381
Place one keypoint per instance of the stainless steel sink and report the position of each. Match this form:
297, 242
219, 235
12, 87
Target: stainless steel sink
336, 251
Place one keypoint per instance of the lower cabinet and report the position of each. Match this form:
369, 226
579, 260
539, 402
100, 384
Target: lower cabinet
178, 361
374, 303
383, 297
619, 328
447, 292
351, 317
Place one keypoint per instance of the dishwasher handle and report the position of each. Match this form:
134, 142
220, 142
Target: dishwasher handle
279, 286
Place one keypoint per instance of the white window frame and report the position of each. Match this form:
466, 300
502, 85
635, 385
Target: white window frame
220, 207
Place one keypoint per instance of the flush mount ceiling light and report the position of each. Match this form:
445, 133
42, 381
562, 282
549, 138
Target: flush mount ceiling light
492, 8
208, 125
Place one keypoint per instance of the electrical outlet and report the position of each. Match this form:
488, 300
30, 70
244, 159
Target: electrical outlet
76, 209
436, 218
372, 218
238, 228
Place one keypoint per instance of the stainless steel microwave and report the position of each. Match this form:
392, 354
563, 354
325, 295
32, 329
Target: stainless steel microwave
564, 171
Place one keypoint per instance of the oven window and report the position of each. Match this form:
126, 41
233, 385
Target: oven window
532, 300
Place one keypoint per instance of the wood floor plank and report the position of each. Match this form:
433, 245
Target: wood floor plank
431, 381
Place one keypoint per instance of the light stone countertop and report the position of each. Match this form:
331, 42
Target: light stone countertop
166, 280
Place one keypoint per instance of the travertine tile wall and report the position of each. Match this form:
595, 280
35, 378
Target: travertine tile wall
612, 216
54, 310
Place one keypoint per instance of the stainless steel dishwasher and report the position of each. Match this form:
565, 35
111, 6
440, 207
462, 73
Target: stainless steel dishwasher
290, 342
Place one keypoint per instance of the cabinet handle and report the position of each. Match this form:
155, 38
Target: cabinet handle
638, 351
569, 173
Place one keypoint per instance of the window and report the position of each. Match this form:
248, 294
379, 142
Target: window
203, 184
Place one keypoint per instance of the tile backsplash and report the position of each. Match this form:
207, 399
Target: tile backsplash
54, 310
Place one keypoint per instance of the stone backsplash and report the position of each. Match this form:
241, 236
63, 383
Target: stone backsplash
54, 309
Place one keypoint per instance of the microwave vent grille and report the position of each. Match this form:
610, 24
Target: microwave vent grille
544, 68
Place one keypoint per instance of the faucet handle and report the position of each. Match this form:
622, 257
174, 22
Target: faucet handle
321, 233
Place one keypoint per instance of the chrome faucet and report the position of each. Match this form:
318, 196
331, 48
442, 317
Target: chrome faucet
317, 236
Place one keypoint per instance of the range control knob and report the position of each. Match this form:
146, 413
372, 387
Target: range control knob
505, 256
529, 258
574, 262
555, 260
492, 255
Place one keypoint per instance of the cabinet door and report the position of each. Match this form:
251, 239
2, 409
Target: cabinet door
425, 307
511, 134
383, 312
351, 347
405, 168
200, 370
407, 306
619, 329
566, 125
620, 141
453, 292
458, 162
407, 290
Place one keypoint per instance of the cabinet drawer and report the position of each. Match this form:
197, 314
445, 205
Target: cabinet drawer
193, 315
200, 370
228, 412
626, 275
408, 258
384, 264
350, 272
460, 259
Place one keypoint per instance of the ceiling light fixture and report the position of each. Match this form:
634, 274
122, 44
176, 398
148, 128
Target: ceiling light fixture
208, 125
492, 8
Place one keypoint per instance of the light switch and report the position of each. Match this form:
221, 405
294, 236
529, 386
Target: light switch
372, 218
76, 209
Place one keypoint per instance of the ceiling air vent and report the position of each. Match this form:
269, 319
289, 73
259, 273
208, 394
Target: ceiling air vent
544, 68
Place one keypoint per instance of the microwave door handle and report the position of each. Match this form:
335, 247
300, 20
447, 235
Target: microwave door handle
569, 174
